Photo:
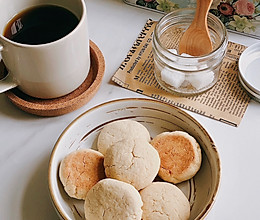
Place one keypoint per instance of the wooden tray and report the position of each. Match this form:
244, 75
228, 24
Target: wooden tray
67, 103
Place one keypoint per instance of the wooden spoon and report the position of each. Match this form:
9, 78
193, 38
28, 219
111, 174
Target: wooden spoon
196, 40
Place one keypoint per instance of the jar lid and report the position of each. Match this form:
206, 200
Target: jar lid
249, 70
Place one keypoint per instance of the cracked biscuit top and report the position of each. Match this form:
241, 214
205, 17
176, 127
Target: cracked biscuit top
164, 201
134, 161
112, 199
119, 130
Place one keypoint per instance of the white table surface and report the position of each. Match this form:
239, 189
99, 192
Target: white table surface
26, 141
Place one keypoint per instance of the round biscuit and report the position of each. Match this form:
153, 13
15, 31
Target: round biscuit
180, 156
163, 201
134, 161
81, 170
113, 199
118, 130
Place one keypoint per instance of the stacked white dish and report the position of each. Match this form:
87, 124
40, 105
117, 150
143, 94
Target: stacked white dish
249, 70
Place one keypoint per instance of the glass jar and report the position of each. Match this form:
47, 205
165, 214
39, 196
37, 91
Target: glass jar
185, 74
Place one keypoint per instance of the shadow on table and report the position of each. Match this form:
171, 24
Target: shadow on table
7, 109
36, 201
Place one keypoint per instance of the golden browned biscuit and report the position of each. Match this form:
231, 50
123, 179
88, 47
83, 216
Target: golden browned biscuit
180, 156
80, 170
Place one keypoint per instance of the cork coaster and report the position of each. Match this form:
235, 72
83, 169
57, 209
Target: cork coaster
67, 103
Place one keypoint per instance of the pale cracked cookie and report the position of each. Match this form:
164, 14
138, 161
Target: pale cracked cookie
81, 170
119, 130
111, 199
164, 201
180, 155
134, 161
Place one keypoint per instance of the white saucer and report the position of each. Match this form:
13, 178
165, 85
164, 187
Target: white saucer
249, 70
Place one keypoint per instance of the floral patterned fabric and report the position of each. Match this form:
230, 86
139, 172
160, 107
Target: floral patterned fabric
238, 15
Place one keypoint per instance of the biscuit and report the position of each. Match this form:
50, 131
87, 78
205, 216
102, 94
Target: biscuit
119, 130
81, 170
163, 200
180, 156
134, 161
112, 199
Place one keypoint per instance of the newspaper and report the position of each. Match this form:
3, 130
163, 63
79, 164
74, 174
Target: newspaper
225, 102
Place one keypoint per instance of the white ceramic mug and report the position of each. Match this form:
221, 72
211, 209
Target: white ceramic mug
46, 70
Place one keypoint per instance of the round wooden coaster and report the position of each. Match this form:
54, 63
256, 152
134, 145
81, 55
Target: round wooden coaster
67, 103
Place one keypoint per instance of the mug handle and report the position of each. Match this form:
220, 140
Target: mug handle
7, 82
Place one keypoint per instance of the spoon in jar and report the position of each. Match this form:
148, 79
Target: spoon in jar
196, 40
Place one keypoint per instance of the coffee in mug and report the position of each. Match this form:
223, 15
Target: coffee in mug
44, 45
40, 25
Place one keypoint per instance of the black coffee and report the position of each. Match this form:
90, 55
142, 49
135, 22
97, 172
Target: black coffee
40, 25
